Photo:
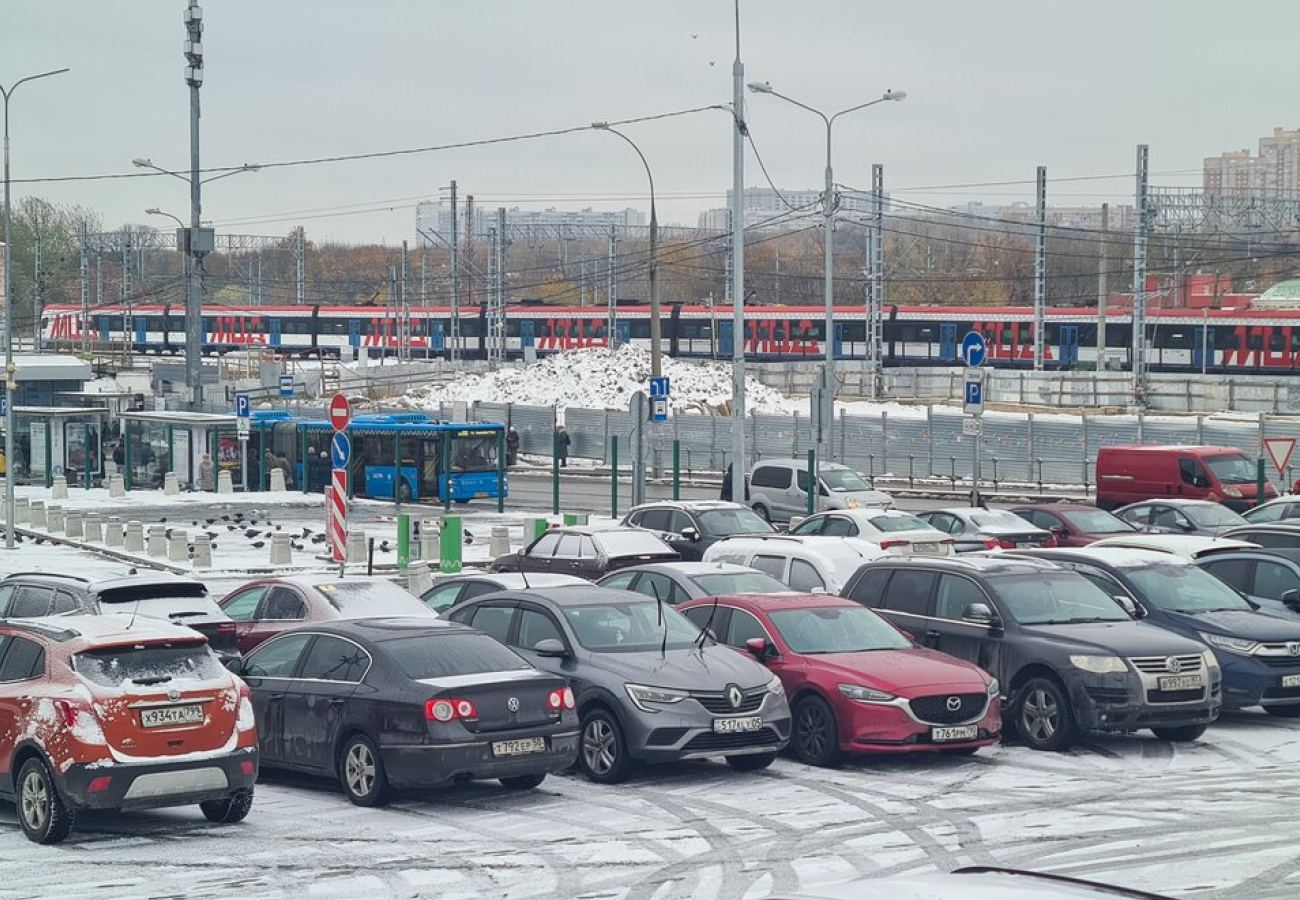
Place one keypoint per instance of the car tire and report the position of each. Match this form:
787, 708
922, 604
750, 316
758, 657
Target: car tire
763, 512
602, 749
816, 737
361, 772
1290, 711
751, 762
230, 810
1043, 716
523, 782
1181, 734
43, 815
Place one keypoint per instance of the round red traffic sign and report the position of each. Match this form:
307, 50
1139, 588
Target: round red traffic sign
340, 412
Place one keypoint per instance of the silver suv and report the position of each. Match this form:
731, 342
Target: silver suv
777, 489
650, 686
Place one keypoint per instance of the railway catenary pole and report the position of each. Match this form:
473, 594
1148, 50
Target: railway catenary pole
1103, 291
1040, 271
1139, 316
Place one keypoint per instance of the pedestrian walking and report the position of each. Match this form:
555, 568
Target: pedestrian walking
512, 446
562, 441
725, 493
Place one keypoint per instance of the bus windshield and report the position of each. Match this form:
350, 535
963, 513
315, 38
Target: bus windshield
476, 453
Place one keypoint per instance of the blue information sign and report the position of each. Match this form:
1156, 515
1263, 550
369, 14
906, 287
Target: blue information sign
286, 385
243, 408
340, 450
660, 387
973, 349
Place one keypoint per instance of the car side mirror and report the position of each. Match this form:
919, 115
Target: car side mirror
690, 534
551, 648
823, 491
980, 614
1291, 598
1186, 526
235, 664
1060, 531
760, 648
1130, 606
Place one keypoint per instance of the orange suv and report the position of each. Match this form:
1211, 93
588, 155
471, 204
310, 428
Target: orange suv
106, 712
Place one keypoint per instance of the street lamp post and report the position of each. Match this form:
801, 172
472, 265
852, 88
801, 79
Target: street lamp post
828, 204
656, 327
9, 318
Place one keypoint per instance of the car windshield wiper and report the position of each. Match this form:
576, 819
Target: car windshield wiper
186, 613
156, 679
1074, 621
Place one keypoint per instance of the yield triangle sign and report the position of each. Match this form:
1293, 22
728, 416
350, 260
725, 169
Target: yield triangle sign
1279, 450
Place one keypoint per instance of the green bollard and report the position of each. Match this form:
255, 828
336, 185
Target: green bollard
450, 541
677, 470
403, 541
1259, 482
537, 528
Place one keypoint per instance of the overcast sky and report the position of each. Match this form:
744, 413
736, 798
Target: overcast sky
995, 88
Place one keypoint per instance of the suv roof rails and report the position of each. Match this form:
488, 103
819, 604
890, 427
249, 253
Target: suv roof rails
64, 575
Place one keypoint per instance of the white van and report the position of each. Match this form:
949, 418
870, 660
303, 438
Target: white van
778, 489
807, 564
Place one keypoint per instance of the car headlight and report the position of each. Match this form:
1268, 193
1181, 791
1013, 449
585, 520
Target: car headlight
1211, 664
865, 695
775, 686
1231, 491
994, 687
1241, 646
1099, 665
642, 694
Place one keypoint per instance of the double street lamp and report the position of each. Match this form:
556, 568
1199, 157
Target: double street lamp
9, 317
828, 202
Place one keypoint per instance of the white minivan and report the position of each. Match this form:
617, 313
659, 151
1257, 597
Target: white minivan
806, 564
778, 489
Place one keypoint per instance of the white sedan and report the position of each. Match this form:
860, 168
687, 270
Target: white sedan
899, 533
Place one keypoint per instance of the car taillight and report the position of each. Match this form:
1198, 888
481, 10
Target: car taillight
228, 628
999, 544
561, 699
446, 710
70, 711
885, 545
245, 718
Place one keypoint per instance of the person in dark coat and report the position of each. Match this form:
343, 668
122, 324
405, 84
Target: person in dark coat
725, 493
562, 441
512, 446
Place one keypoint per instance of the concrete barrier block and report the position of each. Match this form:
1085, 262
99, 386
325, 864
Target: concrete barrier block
22, 513
38, 517
202, 558
500, 545
277, 479
133, 541
94, 528
224, 483
418, 579
60, 489
178, 547
72, 525
54, 519
117, 486
157, 540
171, 484
356, 546
281, 552
113, 532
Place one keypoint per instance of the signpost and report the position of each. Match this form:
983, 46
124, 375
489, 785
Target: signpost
660, 391
243, 414
286, 385
336, 514
973, 353
1279, 450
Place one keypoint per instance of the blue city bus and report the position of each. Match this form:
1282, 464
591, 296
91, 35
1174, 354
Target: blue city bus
437, 461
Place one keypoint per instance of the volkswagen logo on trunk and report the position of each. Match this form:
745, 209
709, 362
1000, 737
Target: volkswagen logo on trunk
513, 704
1174, 664
173, 695
734, 696
954, 704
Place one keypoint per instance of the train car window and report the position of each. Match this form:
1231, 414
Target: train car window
1276, 341
1008, 336
1295, 338
1255, 340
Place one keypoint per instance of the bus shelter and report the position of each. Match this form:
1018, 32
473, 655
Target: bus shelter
157, 442
276, 440
409, 456
58, 440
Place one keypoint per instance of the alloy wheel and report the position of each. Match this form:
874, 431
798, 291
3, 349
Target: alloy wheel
359, 770
35, 801
599, 747
1040, 715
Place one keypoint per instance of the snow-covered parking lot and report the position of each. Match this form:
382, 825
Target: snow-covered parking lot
1214, 819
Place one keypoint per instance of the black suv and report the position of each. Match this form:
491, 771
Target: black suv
690, 528
1069, 658
158, 595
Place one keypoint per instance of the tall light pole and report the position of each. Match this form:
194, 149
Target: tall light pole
9, 320
828, 203
739, 131
196, 244
656, 328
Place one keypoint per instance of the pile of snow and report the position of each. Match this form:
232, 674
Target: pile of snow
595, 378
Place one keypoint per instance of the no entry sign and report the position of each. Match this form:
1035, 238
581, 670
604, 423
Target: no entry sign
340, 412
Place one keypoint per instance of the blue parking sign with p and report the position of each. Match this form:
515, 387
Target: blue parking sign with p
242, 407
974, 393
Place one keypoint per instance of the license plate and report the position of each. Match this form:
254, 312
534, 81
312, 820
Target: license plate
1291, 681
956, 733
925, 548
478, 495
736, 726
163, 716
1181, 682
1029, 544
519, 747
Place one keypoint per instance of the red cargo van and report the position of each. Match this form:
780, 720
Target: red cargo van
1151, 471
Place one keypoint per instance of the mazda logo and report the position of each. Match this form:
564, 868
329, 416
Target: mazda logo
954, 704
734, 696
173, 695
1174, 664
1293, 647
513, 704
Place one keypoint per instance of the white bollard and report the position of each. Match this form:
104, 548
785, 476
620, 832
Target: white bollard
281, 552
134, 540
171, 484
117, 486
157, 540
356, 546
224, 483
110, 468
37, 510
54, 519
277, 479
22, 515
429, 548
113, 532
500, 545
72, 525
178, 547
60, 489
418, 579
202, 552
94, 528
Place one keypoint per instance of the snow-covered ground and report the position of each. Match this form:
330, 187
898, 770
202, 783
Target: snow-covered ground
1210, 820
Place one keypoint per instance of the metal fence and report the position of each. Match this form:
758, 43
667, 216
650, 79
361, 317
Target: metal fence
1016, 448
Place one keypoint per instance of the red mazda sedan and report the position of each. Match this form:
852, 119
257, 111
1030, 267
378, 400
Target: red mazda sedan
856, 684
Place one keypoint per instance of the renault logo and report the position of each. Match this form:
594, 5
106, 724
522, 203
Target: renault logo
734, 696
173, 695
1293, 647
954, 704
1174, 664
513, 704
